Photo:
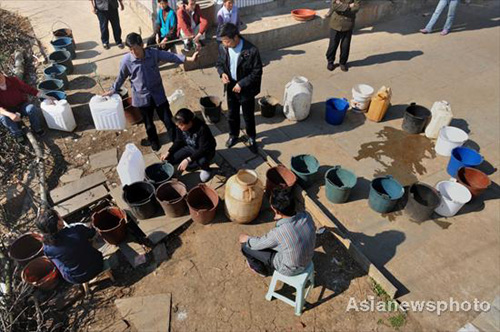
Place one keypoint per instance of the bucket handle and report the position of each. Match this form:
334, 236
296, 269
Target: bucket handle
58, 21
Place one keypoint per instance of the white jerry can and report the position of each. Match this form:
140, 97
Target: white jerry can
441, 117
107, 112
297, 99
58, 115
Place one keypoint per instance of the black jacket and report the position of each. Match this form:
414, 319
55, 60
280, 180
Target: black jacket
199, 138
249, 71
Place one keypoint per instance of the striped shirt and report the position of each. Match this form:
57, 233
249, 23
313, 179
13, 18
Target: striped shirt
294, 241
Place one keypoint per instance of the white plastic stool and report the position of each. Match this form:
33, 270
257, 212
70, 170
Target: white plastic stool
299, 282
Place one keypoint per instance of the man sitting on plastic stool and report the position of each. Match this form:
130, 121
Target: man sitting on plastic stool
194, 145
287, 248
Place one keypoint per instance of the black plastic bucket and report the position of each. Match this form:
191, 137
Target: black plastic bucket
211, 109
159, 173
415, 118
422, 201
268, 105
140, 197
62, 58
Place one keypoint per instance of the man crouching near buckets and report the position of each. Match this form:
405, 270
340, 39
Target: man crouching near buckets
194, 145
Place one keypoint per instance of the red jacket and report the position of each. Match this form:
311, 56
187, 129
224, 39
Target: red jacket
184, 20
15, 94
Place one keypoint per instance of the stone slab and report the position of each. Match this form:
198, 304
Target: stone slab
74, 188
150, 159
103, 159
72, 175
468, 328
134, 253
147, 313
83, 200
488, 321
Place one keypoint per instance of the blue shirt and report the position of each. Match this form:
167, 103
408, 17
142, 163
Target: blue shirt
168, 24
73, 254
234, 55
145, 76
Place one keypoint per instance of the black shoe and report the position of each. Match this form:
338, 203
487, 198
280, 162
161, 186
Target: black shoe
145, 142
120, 45
231, 141
155, 146
330, 66
252, 145
106, 46
344, 68
40, 133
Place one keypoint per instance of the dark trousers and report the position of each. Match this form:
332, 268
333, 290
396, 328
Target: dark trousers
186, 151
109, 16
248, 107
344, 39
260, 261
165, 116
152, 41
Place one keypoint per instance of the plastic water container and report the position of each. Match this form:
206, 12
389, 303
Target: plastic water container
335, 110
441, 117
297, 99
131, 167
453, 197
361, 96
107, 112
450, 138
58, 115
177, 101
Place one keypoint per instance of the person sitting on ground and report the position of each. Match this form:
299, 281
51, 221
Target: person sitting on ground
165, 26
14, 104
194, 146
70, 248
287, 248
191, 24
227, 14
141, 67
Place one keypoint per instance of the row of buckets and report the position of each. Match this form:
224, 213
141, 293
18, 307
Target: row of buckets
37, 270
56, 75
385, 192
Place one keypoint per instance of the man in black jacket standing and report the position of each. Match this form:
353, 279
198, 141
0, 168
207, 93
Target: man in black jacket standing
240, 69
194, 145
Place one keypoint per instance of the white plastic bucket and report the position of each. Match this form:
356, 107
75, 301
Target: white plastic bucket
362, 92
450, 138
453, 197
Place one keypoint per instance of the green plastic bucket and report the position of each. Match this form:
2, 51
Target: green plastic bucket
338, 184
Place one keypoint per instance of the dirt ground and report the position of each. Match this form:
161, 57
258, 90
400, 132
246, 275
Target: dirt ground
211, 286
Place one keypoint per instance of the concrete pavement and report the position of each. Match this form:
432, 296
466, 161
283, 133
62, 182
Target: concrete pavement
442, 258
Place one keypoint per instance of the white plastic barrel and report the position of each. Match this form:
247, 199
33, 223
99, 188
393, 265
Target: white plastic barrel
450, 138
131, 167
453, 197
441, 117
177, 101
297, 99
107, 112
58, 115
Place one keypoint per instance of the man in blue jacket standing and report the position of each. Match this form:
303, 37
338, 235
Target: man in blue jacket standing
148, 94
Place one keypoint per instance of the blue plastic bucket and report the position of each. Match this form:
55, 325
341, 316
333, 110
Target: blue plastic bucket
385, 192
305, 167
335, 110
56, 71
58, 95
52, 84
64, 44
62, 58
463, 157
